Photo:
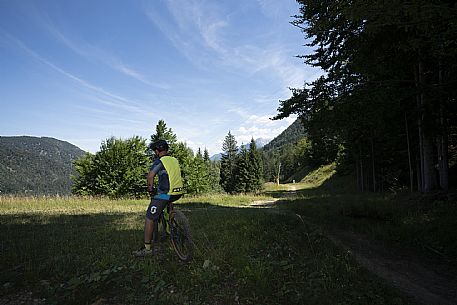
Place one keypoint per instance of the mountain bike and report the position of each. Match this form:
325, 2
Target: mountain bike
173, 223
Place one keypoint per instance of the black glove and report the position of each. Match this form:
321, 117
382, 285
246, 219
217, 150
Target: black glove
152, 191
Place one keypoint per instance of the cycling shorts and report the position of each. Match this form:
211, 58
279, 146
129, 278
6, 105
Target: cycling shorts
157, 205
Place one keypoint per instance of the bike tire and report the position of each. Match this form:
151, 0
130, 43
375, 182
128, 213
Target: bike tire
181, 238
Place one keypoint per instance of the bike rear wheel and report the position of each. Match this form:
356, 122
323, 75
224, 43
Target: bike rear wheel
180, 236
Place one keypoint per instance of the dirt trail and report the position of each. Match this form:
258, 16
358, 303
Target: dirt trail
428, 282
263, 203
292, 190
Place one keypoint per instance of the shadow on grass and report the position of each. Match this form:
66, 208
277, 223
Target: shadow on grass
38, 247
55, 246
424, 224
244, 254
77, 257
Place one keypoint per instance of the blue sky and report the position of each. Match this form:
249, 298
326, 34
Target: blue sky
83, 71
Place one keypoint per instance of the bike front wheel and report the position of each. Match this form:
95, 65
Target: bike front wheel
180, 236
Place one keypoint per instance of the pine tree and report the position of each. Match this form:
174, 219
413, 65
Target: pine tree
206, 155
228, 163
255, 168
242, 171
164, 133
214, 169
214, 172
198, 178
199, 154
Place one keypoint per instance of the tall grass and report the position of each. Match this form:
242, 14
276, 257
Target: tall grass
78, 251
69, 205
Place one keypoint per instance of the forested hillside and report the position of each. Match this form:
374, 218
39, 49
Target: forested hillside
31, 165
292, 134
288, 155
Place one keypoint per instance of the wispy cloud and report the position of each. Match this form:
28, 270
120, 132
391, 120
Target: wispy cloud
271, 8
202, 18
199, 30
129, 71
193, 28
111, 99
95, 53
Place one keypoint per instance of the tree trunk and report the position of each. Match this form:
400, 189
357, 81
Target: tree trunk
443, 158
425, 140
362, 179
279, 172
443, 162
420, 172
373, 164
411, 173
357, 170
429, 169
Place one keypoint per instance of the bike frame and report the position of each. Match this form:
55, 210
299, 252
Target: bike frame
170, 226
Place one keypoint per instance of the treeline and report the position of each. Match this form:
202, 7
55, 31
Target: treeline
386, 102
241, 168
120, 167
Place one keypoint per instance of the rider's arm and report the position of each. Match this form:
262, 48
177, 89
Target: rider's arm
150, 180
156, 167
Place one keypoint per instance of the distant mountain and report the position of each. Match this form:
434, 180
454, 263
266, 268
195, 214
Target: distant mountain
292, 134
216, 157
260, 142
36, 166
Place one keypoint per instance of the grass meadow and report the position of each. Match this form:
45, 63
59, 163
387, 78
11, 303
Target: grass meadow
78, 251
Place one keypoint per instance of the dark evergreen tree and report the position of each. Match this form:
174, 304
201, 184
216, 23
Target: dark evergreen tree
199, 182
206, 155
228, 163
242, 172
214, 170
162, 132
199, 154
254, 167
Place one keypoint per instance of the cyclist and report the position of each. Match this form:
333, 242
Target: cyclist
169, 189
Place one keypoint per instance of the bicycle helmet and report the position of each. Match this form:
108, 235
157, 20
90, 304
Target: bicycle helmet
160, 145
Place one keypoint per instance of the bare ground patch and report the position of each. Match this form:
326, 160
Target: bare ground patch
263, 203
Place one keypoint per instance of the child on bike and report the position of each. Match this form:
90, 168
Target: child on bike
169, 189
